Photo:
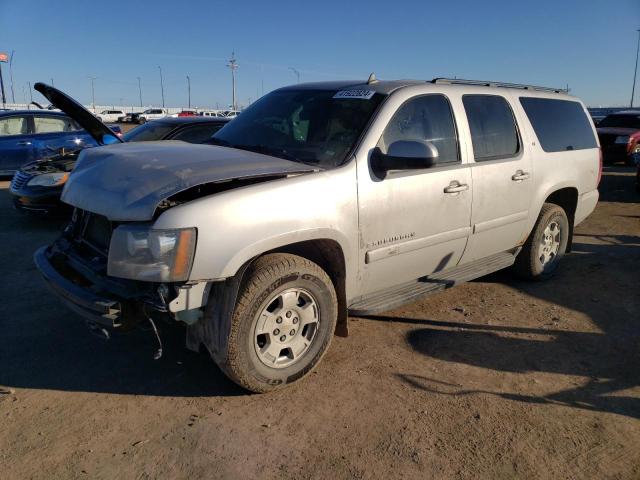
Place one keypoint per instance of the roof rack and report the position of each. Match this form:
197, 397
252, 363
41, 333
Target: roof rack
484, 83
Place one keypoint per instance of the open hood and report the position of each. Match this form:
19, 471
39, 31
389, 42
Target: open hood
98, 130
127, 182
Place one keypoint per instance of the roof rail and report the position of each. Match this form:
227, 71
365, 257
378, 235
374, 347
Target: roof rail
484, 83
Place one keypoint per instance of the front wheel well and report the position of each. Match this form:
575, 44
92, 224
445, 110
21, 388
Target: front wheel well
329, 256
567, 199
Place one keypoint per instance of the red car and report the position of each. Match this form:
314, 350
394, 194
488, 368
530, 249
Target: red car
188, 113
619, 135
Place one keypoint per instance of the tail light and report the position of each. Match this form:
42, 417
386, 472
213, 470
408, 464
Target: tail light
600, 166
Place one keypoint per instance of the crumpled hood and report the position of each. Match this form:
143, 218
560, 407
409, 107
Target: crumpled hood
126, 182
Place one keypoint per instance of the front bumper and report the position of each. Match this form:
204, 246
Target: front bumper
95, 307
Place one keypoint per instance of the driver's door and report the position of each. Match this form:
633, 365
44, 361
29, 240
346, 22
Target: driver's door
412, 223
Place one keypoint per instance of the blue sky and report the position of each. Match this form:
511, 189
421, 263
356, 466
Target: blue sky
588, 44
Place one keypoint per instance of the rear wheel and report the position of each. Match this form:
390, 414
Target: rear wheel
545, 246
142, 120
282, 324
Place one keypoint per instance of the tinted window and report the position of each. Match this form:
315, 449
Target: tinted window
13, 126
197, 133
621, 121
493, 129
425, 118
560, 125
311, 126
148, 132
54, 124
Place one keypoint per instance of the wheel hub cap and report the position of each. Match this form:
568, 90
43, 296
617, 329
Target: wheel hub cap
549, 244
286, 327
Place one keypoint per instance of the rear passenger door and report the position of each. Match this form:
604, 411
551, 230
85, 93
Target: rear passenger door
502, 177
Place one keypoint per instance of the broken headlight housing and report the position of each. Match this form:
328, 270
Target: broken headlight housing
139, 252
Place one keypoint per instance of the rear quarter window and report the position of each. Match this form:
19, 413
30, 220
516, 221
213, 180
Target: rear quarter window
560, 125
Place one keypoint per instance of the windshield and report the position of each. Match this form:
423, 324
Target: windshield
621, 121
148, 132
309, 126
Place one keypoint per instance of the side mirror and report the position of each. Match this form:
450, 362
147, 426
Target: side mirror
404, 155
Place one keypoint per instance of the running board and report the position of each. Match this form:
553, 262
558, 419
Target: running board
409, 292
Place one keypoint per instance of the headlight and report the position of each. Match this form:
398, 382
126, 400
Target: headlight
622, 139
140, 253
48, 180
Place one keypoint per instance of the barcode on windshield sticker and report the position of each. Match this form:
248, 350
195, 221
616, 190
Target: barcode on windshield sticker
361, 94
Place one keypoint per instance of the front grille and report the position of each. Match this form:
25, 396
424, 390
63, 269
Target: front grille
91, 230
20, 179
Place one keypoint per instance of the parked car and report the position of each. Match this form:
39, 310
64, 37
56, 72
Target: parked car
619, 135
28, 135
152, 114
38, 185
187, 113
319, 200
131, 117
110, 116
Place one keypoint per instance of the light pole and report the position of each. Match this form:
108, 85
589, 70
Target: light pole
233, 65
13, 98
635, 72
296, 72
189, 89
52, 83
140, 91
161, 85
30, 93
93, 94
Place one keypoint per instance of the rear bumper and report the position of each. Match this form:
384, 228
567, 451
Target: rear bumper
586, 204
102, 310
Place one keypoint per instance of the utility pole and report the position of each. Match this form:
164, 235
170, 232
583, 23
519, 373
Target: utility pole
233, 65
635, 72
52, 83
93, 93
189, 89
13, 98
30, 92
161, 85
296, 72
140, 91
4, 100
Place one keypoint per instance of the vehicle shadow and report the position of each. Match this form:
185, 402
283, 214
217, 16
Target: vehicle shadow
599, 280
618, 184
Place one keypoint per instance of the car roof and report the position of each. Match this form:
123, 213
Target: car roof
53, 113
625, 112
380, 86
193, 119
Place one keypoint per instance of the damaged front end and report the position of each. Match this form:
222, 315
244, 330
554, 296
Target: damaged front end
77, 267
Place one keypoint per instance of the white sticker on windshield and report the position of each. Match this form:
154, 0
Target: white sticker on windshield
362, 94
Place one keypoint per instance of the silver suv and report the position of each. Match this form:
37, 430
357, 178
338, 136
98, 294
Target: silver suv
321, 200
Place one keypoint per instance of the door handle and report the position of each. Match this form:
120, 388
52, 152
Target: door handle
456, 187
520, 176
24, 143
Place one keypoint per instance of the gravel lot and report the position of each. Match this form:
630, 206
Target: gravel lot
493, 379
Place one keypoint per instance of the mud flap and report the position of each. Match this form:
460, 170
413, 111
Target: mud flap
213, 329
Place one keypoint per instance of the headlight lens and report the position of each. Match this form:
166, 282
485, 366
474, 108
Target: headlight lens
141, 253
48, 180
622, 139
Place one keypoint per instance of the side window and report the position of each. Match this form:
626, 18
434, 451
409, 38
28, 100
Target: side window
197, 134
560, 125
425, 118
53, 124
493, 128
13, 126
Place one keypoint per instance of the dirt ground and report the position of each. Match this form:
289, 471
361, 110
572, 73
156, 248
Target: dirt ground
493, 379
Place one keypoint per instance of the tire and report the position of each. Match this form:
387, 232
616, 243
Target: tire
534, 262
290, 290
142, 121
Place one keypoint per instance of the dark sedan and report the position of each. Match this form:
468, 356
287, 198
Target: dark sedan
37, 186
619, 135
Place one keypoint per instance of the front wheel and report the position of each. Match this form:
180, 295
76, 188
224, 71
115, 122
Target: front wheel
282, 324
545, 246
